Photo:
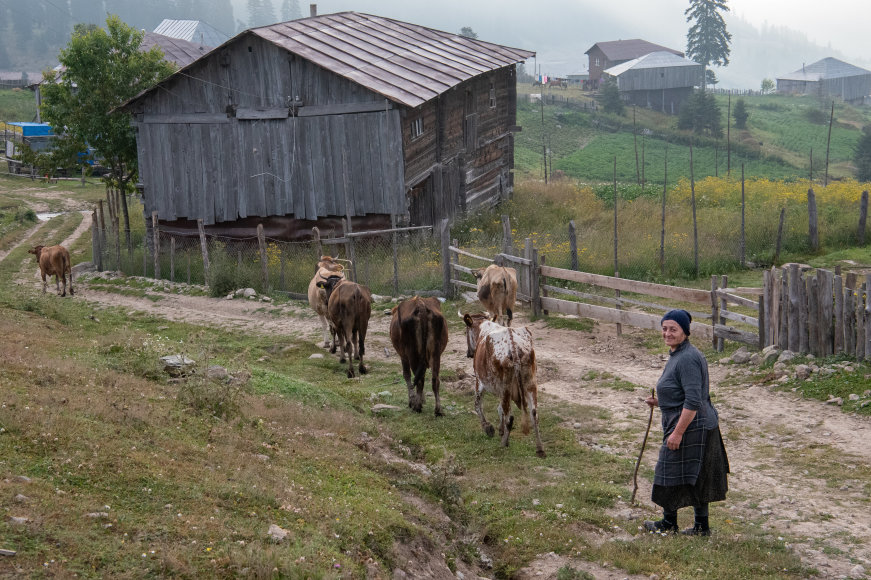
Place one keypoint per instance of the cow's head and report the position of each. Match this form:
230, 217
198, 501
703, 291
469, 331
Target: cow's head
36, 251
473, 331
479, 273
329, 284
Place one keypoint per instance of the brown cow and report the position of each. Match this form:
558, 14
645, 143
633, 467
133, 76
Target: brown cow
349, 306
419, 333
317, 297
504, 363
497, 291
54, 261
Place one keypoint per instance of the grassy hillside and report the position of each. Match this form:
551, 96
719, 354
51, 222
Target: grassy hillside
781, 131
17, 105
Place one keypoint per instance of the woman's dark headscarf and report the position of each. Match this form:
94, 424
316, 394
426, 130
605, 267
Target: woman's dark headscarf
682, 317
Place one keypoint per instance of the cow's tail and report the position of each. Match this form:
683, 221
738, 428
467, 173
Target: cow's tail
417, 326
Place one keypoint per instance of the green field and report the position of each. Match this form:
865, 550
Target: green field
17, 105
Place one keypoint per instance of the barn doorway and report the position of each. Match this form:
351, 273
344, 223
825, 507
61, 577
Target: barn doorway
420, 203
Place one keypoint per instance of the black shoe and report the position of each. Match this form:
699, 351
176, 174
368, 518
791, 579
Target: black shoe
660, 526
697, 530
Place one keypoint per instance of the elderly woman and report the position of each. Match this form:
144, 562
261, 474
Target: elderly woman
692, 465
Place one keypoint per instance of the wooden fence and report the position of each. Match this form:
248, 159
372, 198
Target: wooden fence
538, 285
821, 314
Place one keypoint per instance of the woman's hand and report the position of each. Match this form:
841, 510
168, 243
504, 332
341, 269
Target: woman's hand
673, 441
652, 401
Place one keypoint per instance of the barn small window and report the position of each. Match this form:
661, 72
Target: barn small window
597, 61
417, 128
492, 96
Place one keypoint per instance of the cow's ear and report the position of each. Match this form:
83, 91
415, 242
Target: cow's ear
321, 285
467, 318
478, 273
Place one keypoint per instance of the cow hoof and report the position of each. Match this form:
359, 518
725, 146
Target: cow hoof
438, 412
417, 408
350, 374
541, 453
489, 430
342, 360
333, 350
363, 370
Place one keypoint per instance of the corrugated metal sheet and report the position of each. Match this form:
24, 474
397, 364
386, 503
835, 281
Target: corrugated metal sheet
827, 68
628, 49
404, 62
176, 50
195, 31
653, 60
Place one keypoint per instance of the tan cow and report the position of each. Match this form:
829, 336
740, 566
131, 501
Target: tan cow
317, 297
349, 306
497, 291
54, 261
419, 333
504, 364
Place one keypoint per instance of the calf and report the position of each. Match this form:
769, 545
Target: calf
54, 261
349, 306
317, 297
504, 364
497, 291
419, 333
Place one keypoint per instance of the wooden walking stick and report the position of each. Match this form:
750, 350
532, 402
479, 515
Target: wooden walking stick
640, 453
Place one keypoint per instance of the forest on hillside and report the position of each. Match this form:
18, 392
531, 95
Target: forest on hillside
32, 33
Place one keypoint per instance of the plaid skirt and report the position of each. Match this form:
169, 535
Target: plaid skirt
711, 483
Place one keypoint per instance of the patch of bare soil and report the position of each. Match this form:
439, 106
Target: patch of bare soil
828, 527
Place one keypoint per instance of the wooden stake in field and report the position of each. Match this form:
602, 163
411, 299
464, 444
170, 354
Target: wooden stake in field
743, 209
729, 143
616, 267
813, 232
828, 143
662, 234
635, 140
695, 223
863, 216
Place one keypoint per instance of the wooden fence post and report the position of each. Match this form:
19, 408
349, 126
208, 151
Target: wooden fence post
783, 334
849, 322
281, 281
795, 329
827, 305
316, 236
695, 220
813, 318
761, 326
863, 216
204, 248
803, 340
867, 313
813, 232
715, 311
724, 307
95, 242
743, 210
535, 284
102, 228
264, 260
542, 281
526, 282
395, 241
188, 254
838, 290
859, 316
507, 244
573, 245
156, 245
172, 259
445, 233
779, 241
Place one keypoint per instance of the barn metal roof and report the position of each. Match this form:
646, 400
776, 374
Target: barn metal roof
629, 49
195, 31
827, 68
176, 50
406, 63
659, 59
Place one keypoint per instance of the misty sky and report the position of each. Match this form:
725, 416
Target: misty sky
561, 30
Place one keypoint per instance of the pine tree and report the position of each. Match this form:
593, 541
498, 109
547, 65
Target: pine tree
741, 115
260, 13
701, 114
862, 155
468, 32
611, 101
707, 39
290, 10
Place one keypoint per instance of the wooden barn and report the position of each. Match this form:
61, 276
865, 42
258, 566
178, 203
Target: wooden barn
828, 77
195, 31
659, 80
336, 116
604, 55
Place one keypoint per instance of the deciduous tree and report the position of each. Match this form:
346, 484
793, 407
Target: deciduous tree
767, 86
468, 32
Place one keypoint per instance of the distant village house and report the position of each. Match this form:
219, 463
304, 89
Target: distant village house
828, 77
605, 55
662, 81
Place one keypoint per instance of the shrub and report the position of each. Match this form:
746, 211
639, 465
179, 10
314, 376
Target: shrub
741, 115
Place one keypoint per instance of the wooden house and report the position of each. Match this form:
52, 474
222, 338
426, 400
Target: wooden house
828, 77
336, 116
659, 80
604, 55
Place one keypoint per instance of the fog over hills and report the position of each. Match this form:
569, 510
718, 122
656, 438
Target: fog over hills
561, 31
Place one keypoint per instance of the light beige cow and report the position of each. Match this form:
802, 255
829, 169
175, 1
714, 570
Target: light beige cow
497, 291
317, 297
